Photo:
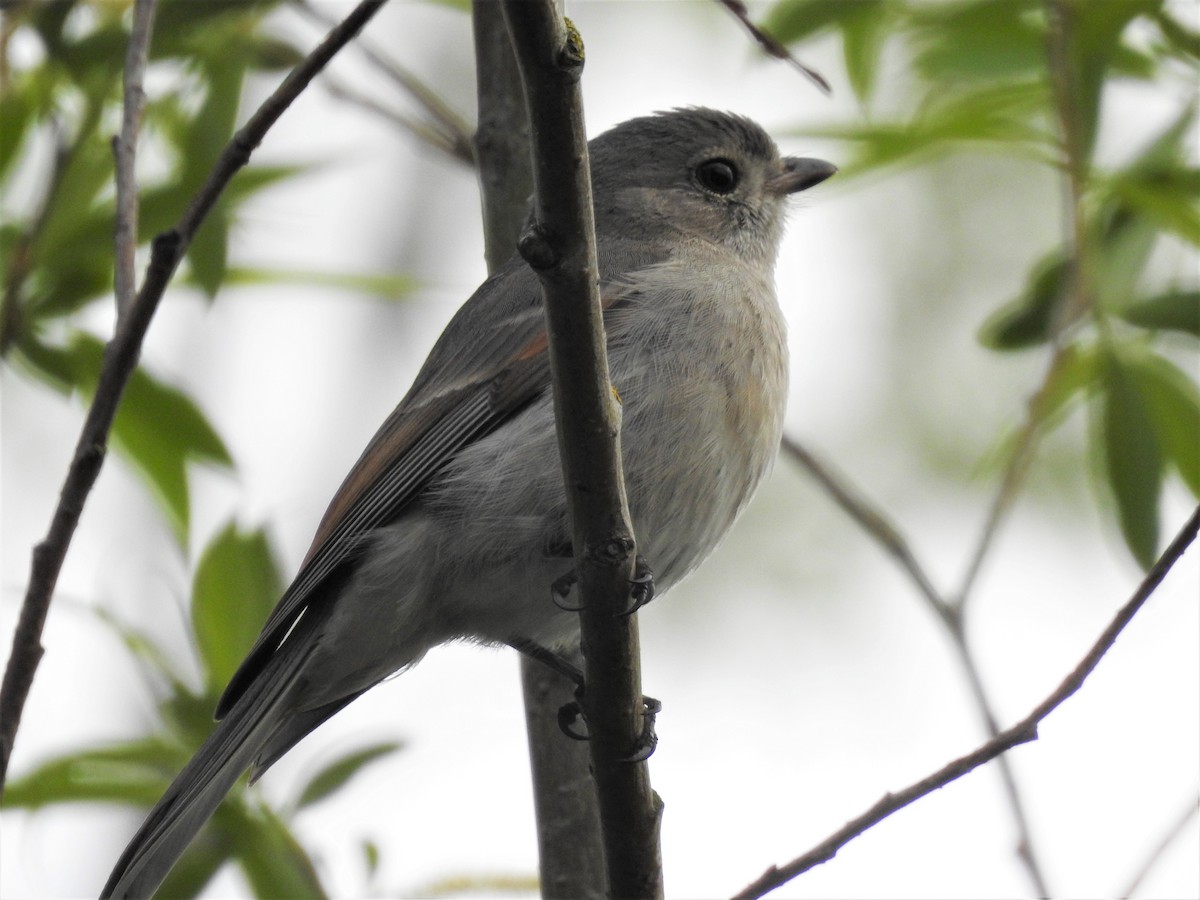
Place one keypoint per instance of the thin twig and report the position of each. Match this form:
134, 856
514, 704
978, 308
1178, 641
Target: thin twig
1174, 831
953, 616
561, 248
454, 130
771, 46
1020, 733
1078, 290
120, 360
422, 130
125, 153
872, 520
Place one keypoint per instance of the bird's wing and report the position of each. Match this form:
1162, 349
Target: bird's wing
490, 362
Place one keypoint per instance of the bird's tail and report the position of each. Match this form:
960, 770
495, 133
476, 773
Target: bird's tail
195, 794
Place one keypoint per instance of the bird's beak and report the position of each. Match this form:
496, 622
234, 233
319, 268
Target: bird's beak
799, 174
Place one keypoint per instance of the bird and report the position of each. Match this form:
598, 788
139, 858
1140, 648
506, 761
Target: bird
453, 525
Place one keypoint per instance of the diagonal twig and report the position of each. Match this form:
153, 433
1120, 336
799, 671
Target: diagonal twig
453, 130
1022, 732
120, 360
773, 47
872, 520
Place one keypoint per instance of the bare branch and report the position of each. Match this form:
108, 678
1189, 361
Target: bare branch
125, 152
772, 46
1020, 733
422, 130
876, 524
873, 521
570, 845
453, 129
561, 248
120, 360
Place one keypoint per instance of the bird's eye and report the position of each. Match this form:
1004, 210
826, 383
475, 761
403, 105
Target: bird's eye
717, 175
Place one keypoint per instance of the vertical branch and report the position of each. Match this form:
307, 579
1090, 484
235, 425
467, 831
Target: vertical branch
125, 153
560, 246
1079, 290
570, 851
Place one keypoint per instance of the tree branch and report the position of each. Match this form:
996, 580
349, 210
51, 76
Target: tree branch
560, 246
125, 153
453, 132
120, 360
952, 615
1020, 733
570, 847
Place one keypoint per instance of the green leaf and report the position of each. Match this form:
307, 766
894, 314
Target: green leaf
864, 32
267, 53
207, 254
371, 857
136, 773
273, 860
1027, 320
235, 585
210, 129
1172, 401
1094, 33
1171, 311
1121, 243
16, 112
979, 39
1178, 37
1004, 117
334, 776
67, 224
48, 20
158, 428
1166, 197
1134, 464
1076, 373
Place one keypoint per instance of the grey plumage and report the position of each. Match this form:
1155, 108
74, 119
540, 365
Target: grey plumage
444, 527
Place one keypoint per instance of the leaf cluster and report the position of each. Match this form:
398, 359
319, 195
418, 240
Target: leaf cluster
60, 107
1027, 79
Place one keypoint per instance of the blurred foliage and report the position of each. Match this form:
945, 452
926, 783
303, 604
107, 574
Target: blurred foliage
1027, 79
60, 107
236, 582
61, 66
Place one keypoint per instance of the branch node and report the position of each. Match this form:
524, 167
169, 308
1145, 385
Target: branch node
536, 248
572, 54
613, 551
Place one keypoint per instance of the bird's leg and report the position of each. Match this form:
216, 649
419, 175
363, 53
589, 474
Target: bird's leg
641, 585
569, 714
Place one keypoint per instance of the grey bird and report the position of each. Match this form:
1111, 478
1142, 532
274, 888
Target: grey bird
452, 524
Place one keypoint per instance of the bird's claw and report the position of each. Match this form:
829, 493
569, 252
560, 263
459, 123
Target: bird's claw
561, 589
641, 588
571, 713
641, 585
